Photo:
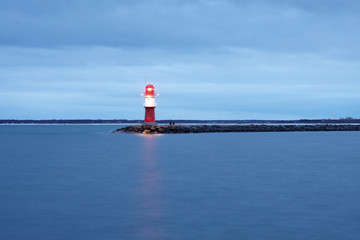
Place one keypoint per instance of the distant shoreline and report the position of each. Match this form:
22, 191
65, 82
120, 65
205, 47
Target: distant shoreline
134, 122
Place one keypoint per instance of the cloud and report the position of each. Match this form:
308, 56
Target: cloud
238, 83
208, 59
181, 25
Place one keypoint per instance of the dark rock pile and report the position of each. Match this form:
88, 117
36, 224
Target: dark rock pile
234, 128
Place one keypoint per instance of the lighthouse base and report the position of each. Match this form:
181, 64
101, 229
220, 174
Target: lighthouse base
149, 116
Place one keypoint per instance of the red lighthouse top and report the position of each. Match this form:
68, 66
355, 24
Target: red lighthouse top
149, 90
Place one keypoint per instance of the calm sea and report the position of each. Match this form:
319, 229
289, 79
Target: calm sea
82, 182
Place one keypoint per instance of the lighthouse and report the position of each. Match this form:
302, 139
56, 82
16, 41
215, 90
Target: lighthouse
149, 105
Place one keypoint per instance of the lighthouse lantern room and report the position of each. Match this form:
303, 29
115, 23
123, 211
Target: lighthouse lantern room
149, 105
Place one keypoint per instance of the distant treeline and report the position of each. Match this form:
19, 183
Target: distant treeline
122, 121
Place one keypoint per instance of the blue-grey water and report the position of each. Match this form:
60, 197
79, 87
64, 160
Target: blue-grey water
81, 182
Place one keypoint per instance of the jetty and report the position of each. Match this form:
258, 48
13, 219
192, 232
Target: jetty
173, 129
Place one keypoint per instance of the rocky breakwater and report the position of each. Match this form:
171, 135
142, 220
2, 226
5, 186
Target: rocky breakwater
233, 128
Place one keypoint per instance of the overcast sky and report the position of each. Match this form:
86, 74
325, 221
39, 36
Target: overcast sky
208, 59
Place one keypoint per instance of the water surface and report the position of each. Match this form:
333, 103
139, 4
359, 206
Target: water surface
81, 182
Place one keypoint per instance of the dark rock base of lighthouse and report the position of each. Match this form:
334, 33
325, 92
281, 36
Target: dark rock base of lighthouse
160, 129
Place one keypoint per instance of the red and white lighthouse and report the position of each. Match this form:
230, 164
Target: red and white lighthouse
149, 105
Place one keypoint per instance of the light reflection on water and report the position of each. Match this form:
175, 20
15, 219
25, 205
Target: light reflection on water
150, 187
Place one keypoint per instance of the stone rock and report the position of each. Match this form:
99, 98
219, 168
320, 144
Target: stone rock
233, 128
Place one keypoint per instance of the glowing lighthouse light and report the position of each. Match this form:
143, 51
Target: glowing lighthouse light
149, 105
